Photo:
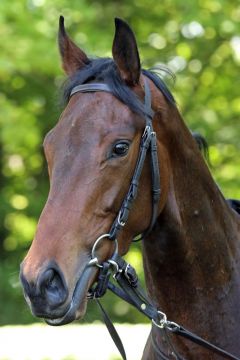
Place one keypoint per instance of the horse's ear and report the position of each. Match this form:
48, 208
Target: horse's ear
73, 58
125, 53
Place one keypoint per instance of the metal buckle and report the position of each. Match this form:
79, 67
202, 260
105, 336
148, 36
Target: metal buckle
146, 131
131, 277
126, 273
121, 223
94, 260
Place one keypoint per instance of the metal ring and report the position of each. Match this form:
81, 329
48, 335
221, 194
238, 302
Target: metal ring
162, 321
94, 259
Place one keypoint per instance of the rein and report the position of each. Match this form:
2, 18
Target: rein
124, 274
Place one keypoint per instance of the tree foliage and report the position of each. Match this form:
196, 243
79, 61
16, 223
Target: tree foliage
198, 40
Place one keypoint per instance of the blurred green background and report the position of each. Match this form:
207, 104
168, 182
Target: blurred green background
198, 40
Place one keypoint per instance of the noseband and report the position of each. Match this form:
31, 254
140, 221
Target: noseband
125, 275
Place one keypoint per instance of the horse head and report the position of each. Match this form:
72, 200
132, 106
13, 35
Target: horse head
91, 155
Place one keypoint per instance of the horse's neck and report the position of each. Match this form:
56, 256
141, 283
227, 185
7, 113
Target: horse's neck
191, 256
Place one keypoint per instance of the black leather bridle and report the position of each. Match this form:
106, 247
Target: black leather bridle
148, 143
124, 274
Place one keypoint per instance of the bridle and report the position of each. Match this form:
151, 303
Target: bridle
124, 274
148, 142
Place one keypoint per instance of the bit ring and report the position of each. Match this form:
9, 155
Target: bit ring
94, 259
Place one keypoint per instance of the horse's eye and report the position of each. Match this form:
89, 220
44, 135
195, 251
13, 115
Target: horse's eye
121, 148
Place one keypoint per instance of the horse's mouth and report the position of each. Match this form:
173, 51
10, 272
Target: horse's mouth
78, 305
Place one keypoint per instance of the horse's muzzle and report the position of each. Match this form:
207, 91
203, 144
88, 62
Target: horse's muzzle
48, 293
47, 298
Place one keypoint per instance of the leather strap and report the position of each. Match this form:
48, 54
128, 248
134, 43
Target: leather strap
112, 331
92, 87
148, 143
198, 340
123, 213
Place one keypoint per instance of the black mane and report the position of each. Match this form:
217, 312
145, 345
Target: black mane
105, 70
202, 144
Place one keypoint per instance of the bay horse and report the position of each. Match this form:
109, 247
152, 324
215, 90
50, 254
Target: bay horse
190, 252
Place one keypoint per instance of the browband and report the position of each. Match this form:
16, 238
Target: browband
84, 88
91, 88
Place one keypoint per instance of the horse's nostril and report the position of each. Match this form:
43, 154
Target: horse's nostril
52, 287
46, 279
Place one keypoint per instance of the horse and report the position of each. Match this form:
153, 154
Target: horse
190, 247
